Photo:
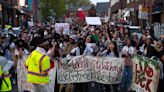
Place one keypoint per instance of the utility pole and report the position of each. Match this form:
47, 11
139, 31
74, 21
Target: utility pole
12, 20
143, 20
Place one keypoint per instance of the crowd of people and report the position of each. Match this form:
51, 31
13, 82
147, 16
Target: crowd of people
44, 44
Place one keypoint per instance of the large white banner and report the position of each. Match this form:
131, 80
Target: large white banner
103, 70
146, 74
93, 20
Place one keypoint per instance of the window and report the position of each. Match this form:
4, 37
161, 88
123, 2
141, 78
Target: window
128, 1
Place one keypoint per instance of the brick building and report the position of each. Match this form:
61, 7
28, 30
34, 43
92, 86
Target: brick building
12, 13
129, 9
8, 12
158, 11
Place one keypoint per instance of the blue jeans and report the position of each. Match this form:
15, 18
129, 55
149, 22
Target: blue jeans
127, 78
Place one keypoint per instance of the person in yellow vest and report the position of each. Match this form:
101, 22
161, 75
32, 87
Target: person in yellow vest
5, 82
8, 26
38, 66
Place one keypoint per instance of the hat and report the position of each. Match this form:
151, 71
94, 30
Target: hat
56, 36
42, 41
38, 41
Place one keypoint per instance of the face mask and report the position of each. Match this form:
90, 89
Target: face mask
45, 33
12, 45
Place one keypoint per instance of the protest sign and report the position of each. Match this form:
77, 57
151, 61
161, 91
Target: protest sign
22, 74
146, 74
64, 26
105, 70
52, 75
6, 64
30, 23
93, 21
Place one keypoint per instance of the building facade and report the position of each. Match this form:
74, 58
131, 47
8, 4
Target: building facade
15, 12
138, 12
102, 9
8, 12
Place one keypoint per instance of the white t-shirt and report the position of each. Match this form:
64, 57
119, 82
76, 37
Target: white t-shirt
90, 47
129, 50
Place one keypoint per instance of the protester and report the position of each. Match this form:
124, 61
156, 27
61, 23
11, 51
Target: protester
21, 54
70, 45
38, 66
127, 51
160, 55
90, 46
149, 50
5, 82
79, 50
110, 52
42, 48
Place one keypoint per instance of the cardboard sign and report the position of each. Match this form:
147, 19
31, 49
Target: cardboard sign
6, 64
105, 70
146, 74
30, 23
93, 21
64, 26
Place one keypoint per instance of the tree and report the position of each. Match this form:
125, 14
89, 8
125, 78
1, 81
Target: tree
78, 3
59, 7
45, 9
48, 7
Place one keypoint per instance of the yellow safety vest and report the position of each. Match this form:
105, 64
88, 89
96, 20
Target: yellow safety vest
38, 66
6, 82
8, 26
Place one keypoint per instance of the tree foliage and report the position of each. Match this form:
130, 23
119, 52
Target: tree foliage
45, 9
59, 7
49, 7
78, 3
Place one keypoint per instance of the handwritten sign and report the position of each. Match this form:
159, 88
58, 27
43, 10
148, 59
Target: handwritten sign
103, 70
93, 21
146, 74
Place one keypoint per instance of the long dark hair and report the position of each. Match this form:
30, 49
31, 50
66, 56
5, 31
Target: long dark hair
81, 45
56, 50
115, 49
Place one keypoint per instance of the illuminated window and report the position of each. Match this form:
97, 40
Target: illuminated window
128, 1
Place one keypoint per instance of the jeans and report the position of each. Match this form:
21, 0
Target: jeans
108, 88
41, 88
81, 87
127, 78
